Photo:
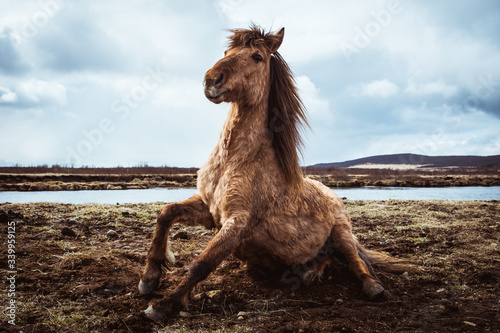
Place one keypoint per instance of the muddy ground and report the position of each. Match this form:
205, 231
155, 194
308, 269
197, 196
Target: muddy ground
75, 275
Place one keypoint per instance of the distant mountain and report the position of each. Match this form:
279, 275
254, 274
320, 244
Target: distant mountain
416, 160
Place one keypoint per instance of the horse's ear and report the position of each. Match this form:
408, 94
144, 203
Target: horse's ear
277, 40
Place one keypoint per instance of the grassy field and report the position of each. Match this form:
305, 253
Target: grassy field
68, 182
75, 275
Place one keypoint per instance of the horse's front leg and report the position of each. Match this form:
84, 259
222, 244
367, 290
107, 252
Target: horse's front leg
190, 212
222, 245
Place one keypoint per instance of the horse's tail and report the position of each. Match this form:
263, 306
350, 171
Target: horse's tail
384, 262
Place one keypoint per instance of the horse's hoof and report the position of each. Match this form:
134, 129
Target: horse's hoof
159, 311
150, 280
146, 288
155, 315
373, 290
309, 277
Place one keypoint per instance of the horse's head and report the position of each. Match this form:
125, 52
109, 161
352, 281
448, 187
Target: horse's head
243, 75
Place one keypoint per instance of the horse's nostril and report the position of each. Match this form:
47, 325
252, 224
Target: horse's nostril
219, 80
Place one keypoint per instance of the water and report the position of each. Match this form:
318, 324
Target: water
104, 196
173, 195
421, 193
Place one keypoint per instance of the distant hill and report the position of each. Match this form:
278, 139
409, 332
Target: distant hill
419, 161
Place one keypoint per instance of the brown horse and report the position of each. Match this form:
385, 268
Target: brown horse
252, 189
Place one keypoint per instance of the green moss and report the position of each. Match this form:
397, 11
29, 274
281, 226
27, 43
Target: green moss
418, 240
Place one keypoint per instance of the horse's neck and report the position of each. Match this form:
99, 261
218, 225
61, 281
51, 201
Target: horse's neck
243, 136
245, 131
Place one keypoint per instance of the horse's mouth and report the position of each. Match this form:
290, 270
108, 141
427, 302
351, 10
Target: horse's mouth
213, 96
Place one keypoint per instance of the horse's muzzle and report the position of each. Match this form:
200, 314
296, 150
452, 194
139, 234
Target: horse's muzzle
213, 82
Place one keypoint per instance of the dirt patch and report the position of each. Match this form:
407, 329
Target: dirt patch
85, 280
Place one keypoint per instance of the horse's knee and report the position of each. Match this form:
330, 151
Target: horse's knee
171, 212
185, 213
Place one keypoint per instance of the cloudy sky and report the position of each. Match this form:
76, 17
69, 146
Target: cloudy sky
109, 83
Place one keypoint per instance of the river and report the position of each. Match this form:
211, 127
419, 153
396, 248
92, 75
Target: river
172, 195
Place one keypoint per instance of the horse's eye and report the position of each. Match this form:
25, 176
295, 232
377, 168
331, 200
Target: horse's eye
257, 57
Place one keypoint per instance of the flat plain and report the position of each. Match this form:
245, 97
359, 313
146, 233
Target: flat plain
75, 275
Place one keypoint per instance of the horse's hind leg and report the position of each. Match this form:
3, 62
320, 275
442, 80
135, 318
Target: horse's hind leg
312, 270
309, 275
344, 241
190, 212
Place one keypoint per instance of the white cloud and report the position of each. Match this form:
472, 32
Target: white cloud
179, 93
380, 88
39, 92
316, 105
313, 29
409, 78
7, 96
430, 88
